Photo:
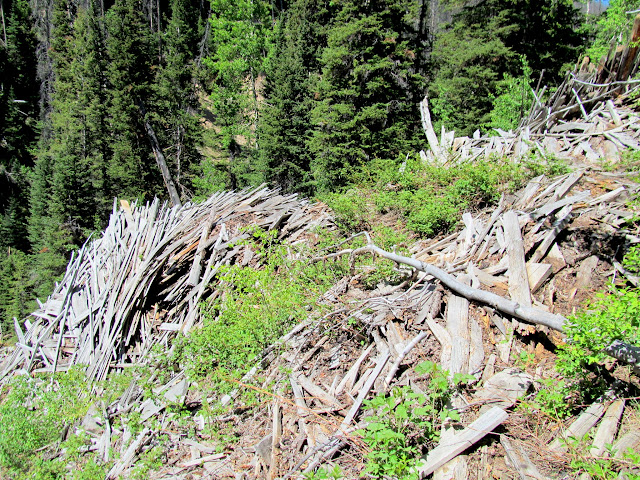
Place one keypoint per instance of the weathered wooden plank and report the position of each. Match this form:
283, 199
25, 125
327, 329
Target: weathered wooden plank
461, 441
458, 328
579, 428
519, 289
519, 460
538, 273
504, 388
319, 392
607, 429
562, 219
349, 379
630, 440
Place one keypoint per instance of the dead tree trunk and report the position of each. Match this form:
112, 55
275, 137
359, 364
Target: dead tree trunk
160, 160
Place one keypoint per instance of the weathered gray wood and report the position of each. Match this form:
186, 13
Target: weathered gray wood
319, 393
564, 188
276, 434
518, 280
530, 314
538, 273
487, 279
463, 440
350, 377
579, 428
630, 440
585, 271
504, 388
626, 353
607, 197
458, 328
476, 347
353, 411
552, 207
456, 468
427, 126
143, 250
129, 455
606, 432
443, 336
562, 218
529, 191
394, 368
519, 460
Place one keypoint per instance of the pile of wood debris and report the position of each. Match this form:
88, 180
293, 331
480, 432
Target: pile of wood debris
144, 279
578, 121
546, 249
478, 302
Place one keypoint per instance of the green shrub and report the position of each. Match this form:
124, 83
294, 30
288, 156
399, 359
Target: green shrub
513, 100
257, 307
402, 423
612, 316
350, 208
34, 413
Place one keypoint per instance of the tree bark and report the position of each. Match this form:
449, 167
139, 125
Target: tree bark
160, 160
625, 353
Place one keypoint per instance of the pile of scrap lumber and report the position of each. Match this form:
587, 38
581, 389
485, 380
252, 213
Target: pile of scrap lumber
578, 120
544, 248
144, 279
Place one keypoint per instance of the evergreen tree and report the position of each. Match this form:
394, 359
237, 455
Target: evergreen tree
177, 98
285, 123
132, 52
18, 120
486, 41
238, 32
367, 96
469, 60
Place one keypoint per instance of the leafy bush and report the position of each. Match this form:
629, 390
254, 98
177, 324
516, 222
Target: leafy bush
350, 208
34, 413
513, 100
403, 422
257, 307
612, 316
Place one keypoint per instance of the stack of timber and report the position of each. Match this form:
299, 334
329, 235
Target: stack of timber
470, 301
144, 279
584, 118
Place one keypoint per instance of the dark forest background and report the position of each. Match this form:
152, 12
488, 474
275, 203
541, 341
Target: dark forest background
300, 94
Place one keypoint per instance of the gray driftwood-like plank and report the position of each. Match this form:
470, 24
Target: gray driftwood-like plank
349, 379
579, 428
519, 289
606, 432
458, 328
520, 461
461, 441
630, 440
319, 393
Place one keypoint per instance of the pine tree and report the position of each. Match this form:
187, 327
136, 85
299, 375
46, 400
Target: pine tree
367, 96
177, 100
132, 52
238, 30
487, 40
285, 123
18, 120
469, 60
